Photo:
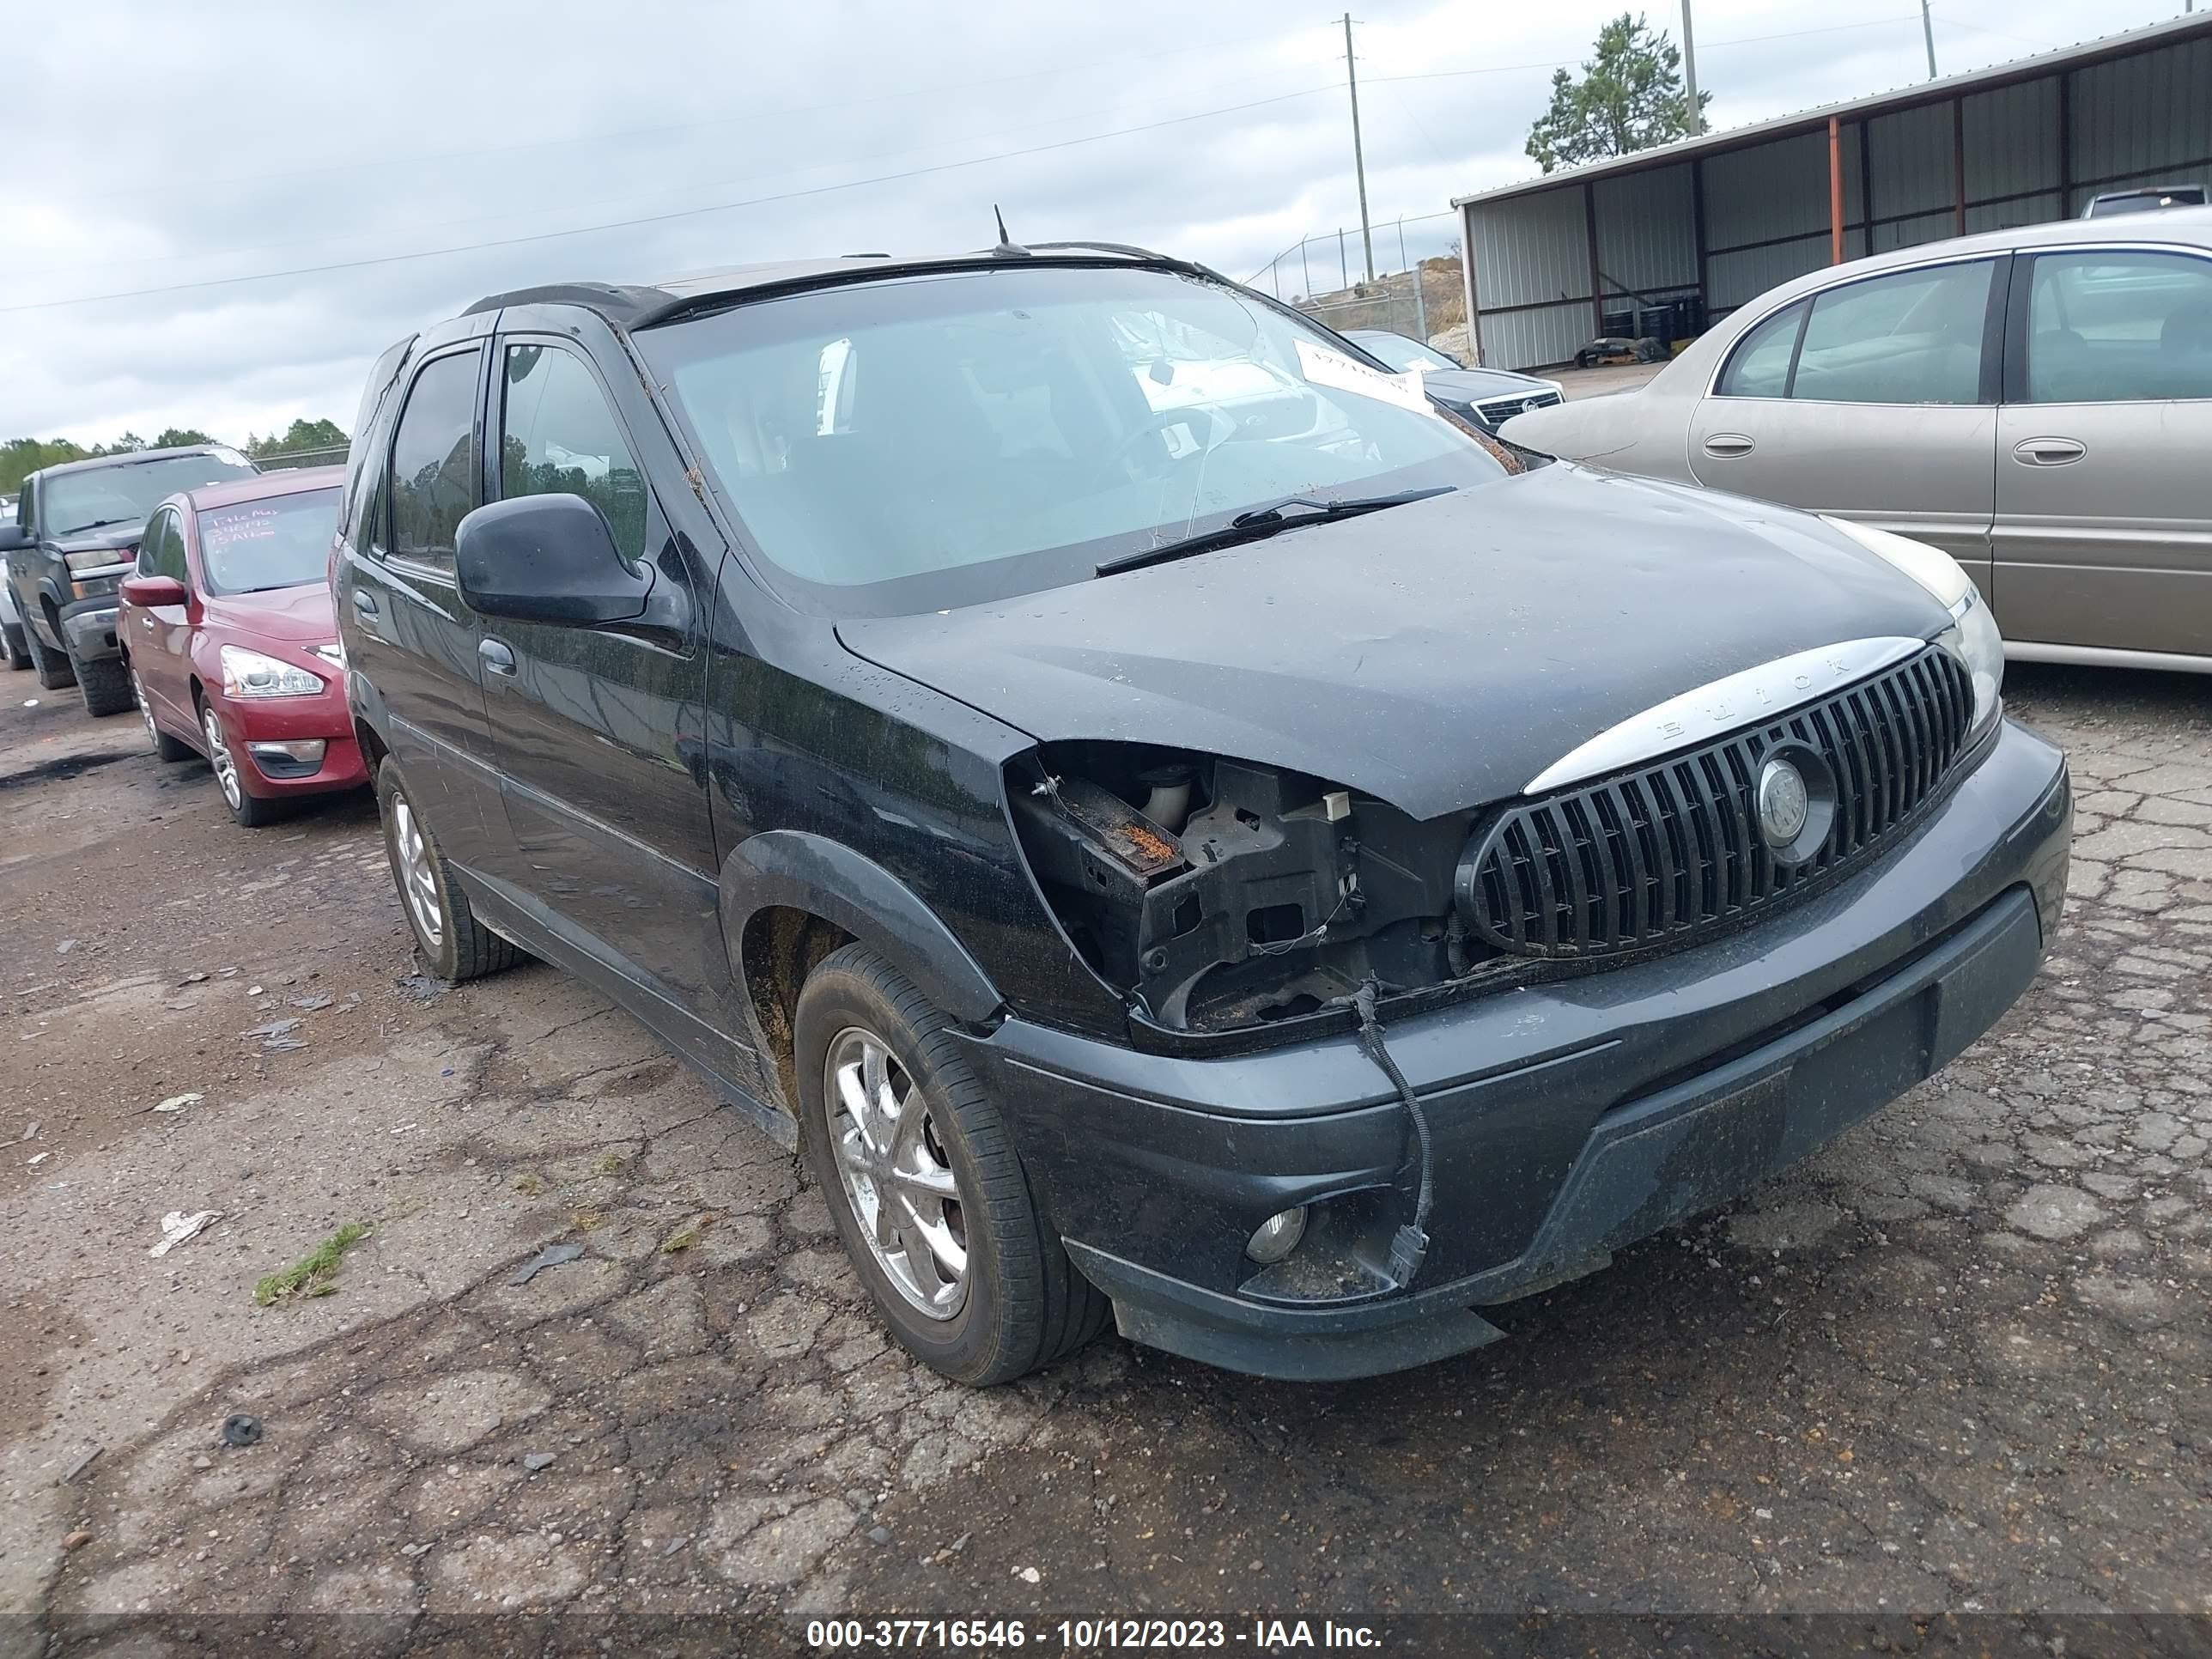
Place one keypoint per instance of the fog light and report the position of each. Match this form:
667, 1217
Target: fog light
1277, 1236
307, 753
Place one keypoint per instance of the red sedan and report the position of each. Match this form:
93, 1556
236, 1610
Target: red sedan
232, 642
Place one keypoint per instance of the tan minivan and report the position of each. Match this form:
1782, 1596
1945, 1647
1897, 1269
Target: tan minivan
2036, 402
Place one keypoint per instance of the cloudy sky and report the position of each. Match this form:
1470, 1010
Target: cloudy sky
365, 168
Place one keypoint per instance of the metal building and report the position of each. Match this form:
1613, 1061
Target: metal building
1716, 221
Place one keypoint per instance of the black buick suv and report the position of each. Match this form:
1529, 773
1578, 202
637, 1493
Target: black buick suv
1176, 827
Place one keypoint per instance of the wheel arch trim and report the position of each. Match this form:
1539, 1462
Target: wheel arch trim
794, 869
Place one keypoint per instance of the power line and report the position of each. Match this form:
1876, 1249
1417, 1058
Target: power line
480, 221
655, 218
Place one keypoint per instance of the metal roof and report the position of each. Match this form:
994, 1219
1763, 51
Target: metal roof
2186, 27
640, 305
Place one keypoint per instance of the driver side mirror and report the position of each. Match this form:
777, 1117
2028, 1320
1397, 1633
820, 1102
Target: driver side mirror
549, 559
148, 592
12, 537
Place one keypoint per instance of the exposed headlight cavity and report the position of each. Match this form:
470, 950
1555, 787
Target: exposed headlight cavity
1972, 636
1213, 893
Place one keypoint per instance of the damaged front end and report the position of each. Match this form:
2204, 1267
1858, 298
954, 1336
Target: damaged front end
1217, 895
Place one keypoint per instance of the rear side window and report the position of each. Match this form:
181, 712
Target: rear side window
1915, 338
558, 436
431, 490
2119, 328
1760, 367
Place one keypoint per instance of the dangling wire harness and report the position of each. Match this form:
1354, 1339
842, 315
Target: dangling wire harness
1410, 1243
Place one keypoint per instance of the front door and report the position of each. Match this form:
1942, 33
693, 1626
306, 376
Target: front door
159, 637
1874, 400
2104, 535
598, 729
408, 635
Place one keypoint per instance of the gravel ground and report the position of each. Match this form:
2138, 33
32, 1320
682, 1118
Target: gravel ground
1956, 1366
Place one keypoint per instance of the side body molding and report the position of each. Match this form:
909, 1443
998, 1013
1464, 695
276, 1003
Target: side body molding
804, 871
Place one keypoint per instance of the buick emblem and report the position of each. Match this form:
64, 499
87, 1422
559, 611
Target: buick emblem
1783, 806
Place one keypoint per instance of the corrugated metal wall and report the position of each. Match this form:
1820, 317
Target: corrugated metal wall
2143, 120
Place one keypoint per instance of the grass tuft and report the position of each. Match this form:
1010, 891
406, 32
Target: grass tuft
688, 1235
315, 1274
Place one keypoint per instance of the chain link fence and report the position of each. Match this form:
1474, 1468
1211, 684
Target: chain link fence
291, 459
1417, 291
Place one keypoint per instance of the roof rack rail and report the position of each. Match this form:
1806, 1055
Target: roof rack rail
1130, 249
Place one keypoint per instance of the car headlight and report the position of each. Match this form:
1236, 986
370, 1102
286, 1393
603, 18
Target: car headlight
1972, 636
249, 674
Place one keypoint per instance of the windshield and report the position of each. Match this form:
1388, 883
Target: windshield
126, 493
282, 542
1402, 353
919, 443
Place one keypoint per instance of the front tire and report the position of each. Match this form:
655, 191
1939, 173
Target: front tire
451, 942
19, 646
923, 1183
105, 684
251, 811
54, 669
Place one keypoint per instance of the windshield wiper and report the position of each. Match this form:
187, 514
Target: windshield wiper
1263, 521
98, 524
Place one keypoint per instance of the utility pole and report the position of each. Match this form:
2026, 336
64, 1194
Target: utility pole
1928, 35
1690, 74
1358, 160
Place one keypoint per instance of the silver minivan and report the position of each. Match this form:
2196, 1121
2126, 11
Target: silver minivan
2036, 402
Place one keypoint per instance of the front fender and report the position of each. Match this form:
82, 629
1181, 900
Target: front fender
796, 870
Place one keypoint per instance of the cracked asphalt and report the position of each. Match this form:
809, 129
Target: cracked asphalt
1958, 1364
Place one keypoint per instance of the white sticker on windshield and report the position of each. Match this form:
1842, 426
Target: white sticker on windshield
1340, 373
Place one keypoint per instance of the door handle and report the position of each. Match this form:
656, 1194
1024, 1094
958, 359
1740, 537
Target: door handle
364, 603
1726, 444
497, 659
2048, 452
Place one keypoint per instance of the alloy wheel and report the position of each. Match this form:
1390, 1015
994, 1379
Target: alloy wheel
902, 1188
417, 878
219, 755
145, 709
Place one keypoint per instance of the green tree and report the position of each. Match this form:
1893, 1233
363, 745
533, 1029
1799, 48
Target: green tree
21, 457
1630, 98
300, 434
176, 437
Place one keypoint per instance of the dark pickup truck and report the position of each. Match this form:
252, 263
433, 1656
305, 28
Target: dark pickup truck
74, 536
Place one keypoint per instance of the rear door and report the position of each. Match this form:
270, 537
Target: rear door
2103, 527
1874, 400
598, 730
159, 637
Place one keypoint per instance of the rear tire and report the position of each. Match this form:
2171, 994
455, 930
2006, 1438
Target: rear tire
106, 685
19, 649
864, 1036
54, 671
450, 941
165, 746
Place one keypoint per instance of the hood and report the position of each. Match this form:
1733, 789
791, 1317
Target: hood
1437, 655
121, 538
1475, 386
300, 616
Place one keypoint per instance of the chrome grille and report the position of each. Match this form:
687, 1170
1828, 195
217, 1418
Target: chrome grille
1654, 855
1504, 409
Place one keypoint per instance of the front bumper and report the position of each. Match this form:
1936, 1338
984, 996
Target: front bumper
88, 628
323, 717
1569, 1119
